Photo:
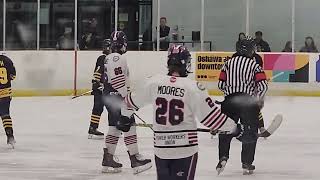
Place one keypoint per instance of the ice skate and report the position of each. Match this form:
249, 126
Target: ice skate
11, 141
248, 169
108, 163
221, 165
139, 164
95, 134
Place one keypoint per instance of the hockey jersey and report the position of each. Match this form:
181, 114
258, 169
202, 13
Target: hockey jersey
116, 74
7, 74
177, 102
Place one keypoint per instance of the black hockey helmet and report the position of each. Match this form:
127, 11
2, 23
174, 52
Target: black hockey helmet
179, 60
247, 47
119, 42
106, 46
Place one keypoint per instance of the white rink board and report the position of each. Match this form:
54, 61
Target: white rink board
52, 144
54, 70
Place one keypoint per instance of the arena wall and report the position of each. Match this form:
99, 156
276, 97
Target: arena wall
49, 73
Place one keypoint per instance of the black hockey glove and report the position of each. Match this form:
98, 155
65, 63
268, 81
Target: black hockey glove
125, 123
96, 86
246, 134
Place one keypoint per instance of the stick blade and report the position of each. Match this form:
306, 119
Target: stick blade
277, 121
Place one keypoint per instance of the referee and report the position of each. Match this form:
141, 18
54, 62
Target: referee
244, 85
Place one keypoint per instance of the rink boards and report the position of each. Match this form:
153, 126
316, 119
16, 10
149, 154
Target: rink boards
52, 73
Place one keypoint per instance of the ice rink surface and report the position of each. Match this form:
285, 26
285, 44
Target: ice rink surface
51, 134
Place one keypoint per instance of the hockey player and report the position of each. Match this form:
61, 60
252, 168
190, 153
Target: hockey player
177, 101
244, 85
116, 85
97, 84
7, 74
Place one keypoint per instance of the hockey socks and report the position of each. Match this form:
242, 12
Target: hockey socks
130, 139
94, 122
112, 139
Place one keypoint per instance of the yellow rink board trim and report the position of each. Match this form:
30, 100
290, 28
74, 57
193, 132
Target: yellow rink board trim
58, 92
69, 92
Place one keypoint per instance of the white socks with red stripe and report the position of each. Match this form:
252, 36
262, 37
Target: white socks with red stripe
112, 139
130, 139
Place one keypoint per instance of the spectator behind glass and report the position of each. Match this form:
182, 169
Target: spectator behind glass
262, 46
164, 34
66, 42
90, 40
240, 37
309, 46
288, 47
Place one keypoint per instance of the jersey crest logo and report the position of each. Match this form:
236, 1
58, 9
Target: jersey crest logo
180, 173
201, 86
116, 58
173, 79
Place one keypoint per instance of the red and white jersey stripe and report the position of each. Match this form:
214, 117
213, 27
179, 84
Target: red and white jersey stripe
177, 102
117, 73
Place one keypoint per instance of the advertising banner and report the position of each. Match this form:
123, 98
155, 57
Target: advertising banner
292, 67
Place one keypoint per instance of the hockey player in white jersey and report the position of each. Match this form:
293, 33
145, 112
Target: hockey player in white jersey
176, 102
116, 85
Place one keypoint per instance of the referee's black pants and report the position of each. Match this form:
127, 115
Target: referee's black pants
244, 107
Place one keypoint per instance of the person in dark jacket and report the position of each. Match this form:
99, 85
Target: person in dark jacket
164, 34
309, 46
241, 37
288, 47
262, 46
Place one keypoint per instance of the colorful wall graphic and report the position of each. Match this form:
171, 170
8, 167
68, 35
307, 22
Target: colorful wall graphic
293, 67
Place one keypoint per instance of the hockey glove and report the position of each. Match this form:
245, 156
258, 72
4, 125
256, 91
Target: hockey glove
125, 123
246, 134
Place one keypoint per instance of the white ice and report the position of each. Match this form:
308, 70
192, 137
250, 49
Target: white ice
51, 134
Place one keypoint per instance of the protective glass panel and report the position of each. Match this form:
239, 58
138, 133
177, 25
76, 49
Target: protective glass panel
271, 19
21, 24
224, 20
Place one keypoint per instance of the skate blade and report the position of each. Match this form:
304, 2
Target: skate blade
247, 172
11, 145
141, 169
220, 170
110, 170
95, 137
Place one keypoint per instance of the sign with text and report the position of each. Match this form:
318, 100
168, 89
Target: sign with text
292, 67
209, 65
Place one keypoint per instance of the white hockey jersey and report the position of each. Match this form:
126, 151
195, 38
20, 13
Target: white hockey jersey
117, 72
177, 102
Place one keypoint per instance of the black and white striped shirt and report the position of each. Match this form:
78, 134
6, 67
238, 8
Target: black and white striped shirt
243, 75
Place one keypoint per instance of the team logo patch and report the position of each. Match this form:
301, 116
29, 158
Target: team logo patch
180, 173
116, 58
173, 79
201, 86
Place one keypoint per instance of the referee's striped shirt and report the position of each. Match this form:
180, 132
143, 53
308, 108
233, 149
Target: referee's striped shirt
243, 75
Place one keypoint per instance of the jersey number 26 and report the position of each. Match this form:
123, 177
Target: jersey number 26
171, 111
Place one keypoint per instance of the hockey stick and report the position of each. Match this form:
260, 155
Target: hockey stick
83, 94
86, 93
151, 125
275, 124
145, 124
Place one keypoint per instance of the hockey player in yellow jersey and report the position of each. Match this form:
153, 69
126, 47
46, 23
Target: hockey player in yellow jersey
7, 74
97, 84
